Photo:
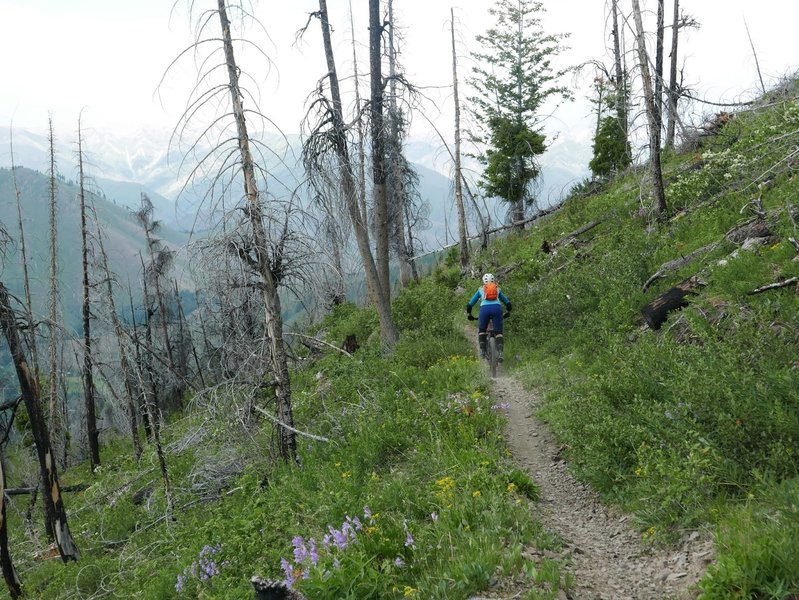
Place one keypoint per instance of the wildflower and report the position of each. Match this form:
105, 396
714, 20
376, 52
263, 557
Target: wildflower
300, 551
336, 563
408, 538
511, 487
476, 494
398, 562
312, 552
434, 516
367, 514
288, 569
179, 584
408, 591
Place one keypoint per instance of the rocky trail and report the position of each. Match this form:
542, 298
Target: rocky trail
604, 552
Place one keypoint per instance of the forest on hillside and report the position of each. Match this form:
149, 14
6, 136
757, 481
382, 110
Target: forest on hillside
290, 394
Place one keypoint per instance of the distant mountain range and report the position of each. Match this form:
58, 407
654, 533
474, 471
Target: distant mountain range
122, 168
125, 166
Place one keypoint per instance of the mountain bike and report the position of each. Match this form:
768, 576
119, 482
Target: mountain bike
492, 354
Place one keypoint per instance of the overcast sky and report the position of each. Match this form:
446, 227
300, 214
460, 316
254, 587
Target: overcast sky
108, 56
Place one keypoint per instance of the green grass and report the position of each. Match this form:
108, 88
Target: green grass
693, 425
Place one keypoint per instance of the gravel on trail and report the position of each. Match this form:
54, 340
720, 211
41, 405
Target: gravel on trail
607, 556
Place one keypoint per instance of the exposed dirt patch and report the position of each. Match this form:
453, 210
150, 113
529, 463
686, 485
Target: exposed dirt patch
607, 556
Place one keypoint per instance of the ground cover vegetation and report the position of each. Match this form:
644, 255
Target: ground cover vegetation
404, 487
414, 495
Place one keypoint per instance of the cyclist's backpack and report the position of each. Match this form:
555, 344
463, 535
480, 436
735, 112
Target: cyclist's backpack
490, 291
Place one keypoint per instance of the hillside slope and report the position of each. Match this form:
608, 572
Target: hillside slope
124, 239
405, 488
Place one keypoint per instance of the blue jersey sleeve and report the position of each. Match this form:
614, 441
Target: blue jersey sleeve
503, 298
476, 297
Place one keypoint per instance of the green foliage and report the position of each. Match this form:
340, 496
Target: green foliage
757, 543
514, 77
611, 149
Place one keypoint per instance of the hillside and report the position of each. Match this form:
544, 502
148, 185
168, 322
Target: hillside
124, 239
406, 487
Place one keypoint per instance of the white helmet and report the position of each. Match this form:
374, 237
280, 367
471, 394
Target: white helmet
488, 278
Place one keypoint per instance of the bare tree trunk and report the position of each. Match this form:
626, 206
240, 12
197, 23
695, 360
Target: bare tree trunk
359, 127
25, 275
658, 194
659, 64
55, 512
673, 94
142, 377
388, 331
9, 572
378, 149
151, 399
397, 191
462, 236
55, 424
621, 77
88, 380
133, 413
287, 445
159, 297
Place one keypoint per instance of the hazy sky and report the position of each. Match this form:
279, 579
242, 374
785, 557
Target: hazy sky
108, 56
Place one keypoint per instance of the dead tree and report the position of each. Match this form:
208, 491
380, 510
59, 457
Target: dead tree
378, 134
462, 234
396, 191
133, 413
160, 262
328, 136
672, 92
656, 172
26, 282
56, 425
92, 434
622, 95
258, 257
54, 513
658, 78
9, 572
151, 406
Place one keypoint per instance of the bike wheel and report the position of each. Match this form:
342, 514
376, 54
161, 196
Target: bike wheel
492, 355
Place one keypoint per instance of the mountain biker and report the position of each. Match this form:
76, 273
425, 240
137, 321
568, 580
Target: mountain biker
491, 300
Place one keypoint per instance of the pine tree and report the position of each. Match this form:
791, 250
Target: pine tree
513, 79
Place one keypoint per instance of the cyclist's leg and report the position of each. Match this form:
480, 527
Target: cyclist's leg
497, 320
482, 327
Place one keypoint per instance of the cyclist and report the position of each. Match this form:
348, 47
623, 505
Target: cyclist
491, 300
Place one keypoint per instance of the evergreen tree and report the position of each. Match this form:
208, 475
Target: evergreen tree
513, 78
612, 151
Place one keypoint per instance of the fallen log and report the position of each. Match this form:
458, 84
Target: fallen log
756, 227
656, 312
774, 286
21, 491
678, 263
547, 247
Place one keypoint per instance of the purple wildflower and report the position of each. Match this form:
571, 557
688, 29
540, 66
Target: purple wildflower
357, 522
367, 514
312, 552
300, 551
399, 563
179, 584
288, 569
326, 541
336, 563
408, 538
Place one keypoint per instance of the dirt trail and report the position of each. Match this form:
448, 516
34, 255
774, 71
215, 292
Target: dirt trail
606, 555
